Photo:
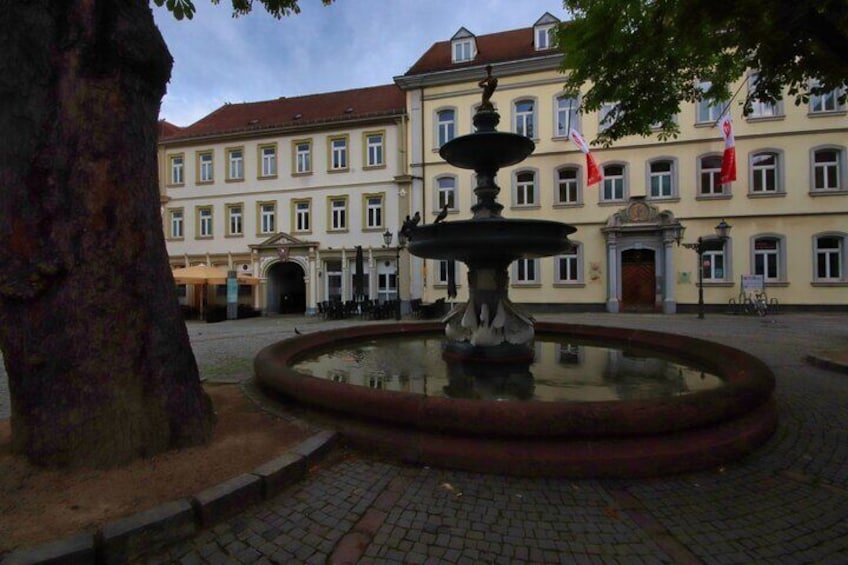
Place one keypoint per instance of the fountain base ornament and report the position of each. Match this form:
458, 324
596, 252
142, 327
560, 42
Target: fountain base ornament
488, 326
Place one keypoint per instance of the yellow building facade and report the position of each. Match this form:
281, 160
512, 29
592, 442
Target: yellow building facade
788, 207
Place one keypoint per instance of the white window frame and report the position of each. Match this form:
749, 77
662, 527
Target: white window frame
462, 50
206, 167
776, 256
526, 271
374, 149
445, 192
759, 174
609, 181
338, 214
176, 219
566, 115
524, 120
543, 37
708, 110
568, 267
570, 185
830, 256
717, 189
668, 179
826, 103
235, 219
525, 193
339, 153
268, 155
235, 164
838, 165
760, 108
302, 213
387, 283
177, 170
605, 109
442, 272
373, 211
303, 157
267, 218
445, 128
204, 222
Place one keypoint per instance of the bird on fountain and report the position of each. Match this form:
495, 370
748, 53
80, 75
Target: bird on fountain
442, 215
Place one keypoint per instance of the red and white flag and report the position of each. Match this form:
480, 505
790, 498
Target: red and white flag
728, 159
593, 173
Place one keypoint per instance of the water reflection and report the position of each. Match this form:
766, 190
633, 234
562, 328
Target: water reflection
561, 371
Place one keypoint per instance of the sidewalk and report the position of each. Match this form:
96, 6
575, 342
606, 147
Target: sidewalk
788, 502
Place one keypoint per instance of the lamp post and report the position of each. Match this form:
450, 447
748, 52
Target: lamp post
387, 239
707, 243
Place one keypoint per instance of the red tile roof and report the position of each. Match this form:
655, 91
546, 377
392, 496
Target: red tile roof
344, 105
167, 129
491, 48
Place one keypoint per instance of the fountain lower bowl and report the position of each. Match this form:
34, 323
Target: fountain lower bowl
629, 438
498, 239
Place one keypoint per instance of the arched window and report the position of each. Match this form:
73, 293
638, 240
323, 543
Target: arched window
830, 256
568, 267
709, 177
524, 193
769, 257
662, 179
445, 125
614, 183
445, 193
568, 186
566, 115
525, 118
765, 176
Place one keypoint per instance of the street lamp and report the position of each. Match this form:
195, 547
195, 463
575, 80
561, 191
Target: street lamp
707, 243
387, 239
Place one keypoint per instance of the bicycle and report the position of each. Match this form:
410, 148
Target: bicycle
757, 303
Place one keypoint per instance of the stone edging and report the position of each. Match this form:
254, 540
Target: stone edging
134, 536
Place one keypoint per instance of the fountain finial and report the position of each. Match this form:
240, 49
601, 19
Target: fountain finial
488, 84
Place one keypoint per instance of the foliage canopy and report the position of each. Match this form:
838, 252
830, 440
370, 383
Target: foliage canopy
651, 55
277, 8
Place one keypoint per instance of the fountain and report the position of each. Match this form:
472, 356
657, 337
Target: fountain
490, 339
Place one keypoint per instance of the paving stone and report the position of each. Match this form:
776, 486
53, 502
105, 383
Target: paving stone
227, 499
146, 532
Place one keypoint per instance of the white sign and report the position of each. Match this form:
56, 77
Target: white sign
750, 283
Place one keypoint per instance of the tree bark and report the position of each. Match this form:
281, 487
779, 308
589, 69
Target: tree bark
100, 367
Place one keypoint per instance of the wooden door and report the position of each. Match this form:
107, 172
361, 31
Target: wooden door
638, 280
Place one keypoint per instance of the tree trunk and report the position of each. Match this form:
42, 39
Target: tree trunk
99, 362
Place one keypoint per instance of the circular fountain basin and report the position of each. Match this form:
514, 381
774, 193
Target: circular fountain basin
624, 438
486, 150
492, 239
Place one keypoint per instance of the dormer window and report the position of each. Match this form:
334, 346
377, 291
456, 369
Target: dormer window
463, 46
543, 32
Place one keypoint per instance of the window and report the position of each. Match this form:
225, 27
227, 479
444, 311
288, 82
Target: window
387, 288
826, 169
338, 153
613, 183
606, 115
769, 258
333, 290
445, 193
302, 212
567, 267
235, 164
830, 258
661, 179
302, 156
268, 160
544, 37
761, 108
373, 211
463, 50
566, 115
709, 110
526, 271
825, 102
338, 214
709, 176
204, 221
568, 186
525, 118
442, 270
205, 170
374, 149
525, 188
267, 218
713, 265
764, 173
177, 170
235, 216
175, 221
446, 126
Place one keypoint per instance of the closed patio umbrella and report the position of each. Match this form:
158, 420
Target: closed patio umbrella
359, 276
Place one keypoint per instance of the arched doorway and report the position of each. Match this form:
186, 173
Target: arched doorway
286, 289
638, 280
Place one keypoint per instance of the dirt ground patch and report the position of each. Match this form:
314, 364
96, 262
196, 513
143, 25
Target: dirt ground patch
39, 505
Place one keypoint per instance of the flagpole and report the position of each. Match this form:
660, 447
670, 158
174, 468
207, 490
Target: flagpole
729, 102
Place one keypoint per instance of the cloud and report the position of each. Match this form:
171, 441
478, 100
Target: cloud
350, 44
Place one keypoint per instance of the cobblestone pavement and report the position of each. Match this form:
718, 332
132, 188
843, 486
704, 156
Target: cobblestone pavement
785, 503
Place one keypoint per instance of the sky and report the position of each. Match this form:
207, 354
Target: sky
349, 44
